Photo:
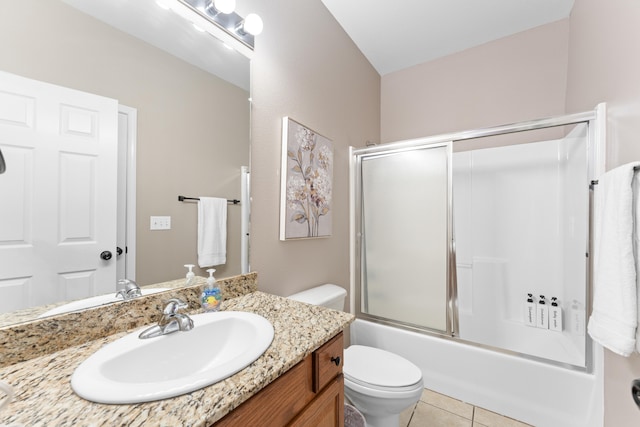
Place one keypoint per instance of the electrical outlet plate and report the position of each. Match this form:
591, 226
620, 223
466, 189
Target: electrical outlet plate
160, 223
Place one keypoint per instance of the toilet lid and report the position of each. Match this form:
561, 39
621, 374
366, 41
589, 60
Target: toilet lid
379, 367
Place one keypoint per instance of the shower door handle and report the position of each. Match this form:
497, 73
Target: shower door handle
635, 391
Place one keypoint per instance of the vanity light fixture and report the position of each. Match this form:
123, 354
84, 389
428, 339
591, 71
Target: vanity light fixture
252, 24
220, 15
224, 6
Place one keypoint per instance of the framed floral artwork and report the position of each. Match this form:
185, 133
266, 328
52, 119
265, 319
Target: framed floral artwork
307, 182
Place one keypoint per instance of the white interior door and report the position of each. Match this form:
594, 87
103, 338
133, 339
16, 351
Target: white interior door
58, 195
126, 240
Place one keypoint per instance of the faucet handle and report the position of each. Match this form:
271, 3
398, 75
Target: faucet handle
173, 305
129, 289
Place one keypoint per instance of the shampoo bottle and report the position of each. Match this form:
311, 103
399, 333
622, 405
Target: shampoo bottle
543, 313
191, 277
211, 298
576, 325
530, 311
555, 315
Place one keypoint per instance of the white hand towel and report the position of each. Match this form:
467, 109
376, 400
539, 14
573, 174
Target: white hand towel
212, 231
614, 319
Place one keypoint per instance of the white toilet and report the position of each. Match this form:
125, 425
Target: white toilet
380, 384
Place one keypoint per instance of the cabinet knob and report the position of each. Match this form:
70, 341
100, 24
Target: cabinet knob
336, 360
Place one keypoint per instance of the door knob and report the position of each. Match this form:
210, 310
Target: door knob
106, 255
635, 391
119, 250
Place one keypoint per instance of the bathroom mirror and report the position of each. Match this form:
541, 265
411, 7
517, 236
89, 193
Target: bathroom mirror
190, 95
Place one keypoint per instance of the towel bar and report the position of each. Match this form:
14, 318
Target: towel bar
183, 198
595, 181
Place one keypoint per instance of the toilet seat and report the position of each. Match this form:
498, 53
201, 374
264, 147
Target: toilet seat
369, 386
386, 393
371, 368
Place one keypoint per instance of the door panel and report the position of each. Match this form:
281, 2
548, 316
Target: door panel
405, 227
58, 195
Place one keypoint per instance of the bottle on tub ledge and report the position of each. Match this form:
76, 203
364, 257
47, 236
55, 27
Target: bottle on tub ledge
530, 311
543, 313
211, 297
555, 315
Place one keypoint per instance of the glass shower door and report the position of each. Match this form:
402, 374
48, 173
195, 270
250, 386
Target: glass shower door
405, 199
521, 217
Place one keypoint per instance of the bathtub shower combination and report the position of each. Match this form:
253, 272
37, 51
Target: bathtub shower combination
471, 258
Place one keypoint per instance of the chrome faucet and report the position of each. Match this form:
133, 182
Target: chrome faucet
129, 289
171, 321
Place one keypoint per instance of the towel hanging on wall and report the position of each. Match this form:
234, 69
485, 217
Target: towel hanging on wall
212, 231
614, 320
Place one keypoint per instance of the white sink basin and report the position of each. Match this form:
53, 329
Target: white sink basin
134, 370
94, 302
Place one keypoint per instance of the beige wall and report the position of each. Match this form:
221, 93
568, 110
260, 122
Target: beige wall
307, 68
604, 65
521, 77
193, 128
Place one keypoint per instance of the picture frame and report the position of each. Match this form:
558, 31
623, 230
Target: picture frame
306, 183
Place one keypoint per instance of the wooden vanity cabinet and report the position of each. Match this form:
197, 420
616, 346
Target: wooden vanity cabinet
311, 394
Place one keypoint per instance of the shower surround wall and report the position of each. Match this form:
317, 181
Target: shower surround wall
521, 223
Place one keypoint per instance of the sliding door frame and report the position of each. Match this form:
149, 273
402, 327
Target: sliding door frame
596, 138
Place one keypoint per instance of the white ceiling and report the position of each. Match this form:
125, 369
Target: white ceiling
396, 34
392, 34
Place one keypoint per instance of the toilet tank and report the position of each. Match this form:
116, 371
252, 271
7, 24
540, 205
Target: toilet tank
330, 296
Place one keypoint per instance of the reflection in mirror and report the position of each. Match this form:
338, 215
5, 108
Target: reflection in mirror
185, 98
93, 302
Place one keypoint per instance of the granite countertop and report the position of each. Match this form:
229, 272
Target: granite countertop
33, 313
44, 396
37, 337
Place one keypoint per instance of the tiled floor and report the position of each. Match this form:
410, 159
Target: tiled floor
438, 410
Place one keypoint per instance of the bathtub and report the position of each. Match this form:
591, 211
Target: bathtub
530, 391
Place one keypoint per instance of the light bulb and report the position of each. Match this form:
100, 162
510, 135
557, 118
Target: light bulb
225, 6
252, 24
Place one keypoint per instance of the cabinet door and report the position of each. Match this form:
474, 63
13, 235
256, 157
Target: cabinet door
327, 362
278, 403
326, 410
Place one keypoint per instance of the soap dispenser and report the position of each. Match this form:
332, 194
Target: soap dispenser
191, 277
211, 298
